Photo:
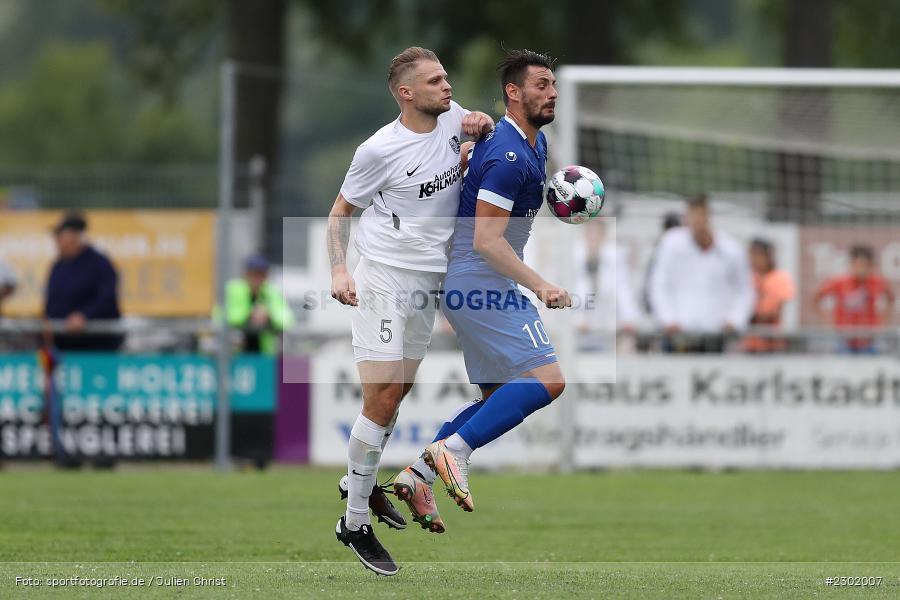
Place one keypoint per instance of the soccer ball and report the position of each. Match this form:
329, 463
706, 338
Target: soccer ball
575, 194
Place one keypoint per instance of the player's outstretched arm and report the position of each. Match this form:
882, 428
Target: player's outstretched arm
490, 225
343, 288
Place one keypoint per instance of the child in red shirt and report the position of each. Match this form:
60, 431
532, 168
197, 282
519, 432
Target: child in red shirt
856, 299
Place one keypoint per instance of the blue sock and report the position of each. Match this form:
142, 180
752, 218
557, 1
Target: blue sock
507, 407
458, 419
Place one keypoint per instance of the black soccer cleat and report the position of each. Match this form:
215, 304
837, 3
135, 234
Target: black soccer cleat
380, 505
367, 548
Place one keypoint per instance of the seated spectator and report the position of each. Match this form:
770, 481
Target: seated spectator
257, 307
700, 288
856, 298
82, 286
774, 289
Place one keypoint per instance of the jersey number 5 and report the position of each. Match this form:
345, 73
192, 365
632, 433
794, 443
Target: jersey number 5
541, 332
386, 335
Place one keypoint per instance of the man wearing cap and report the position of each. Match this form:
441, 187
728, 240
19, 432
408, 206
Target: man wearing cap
82, 286
257, 307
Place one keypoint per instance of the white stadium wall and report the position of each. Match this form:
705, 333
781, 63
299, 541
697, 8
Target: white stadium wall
717, 412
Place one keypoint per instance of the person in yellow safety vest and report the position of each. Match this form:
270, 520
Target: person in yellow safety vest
257, 307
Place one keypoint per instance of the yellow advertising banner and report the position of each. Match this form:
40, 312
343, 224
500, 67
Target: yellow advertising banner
165, 258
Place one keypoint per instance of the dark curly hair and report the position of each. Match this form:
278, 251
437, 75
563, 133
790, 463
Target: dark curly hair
515, 65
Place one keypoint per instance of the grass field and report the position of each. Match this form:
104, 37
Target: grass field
629, 534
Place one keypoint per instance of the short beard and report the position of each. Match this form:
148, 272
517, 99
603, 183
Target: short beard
537, 121
435, 110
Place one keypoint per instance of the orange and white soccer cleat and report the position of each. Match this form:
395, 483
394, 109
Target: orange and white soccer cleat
453, 471
412, 488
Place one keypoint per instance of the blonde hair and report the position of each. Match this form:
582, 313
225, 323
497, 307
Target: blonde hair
404, 62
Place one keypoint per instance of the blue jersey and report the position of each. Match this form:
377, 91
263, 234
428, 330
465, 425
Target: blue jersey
498, 328
506, 171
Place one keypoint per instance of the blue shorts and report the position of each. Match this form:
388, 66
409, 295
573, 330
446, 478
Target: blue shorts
499, 329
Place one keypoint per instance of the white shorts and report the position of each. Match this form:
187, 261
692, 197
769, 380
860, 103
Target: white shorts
396, 310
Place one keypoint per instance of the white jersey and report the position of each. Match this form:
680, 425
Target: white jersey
409, 184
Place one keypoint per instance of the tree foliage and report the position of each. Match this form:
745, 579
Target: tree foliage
72, 106
862, 34
577, 31
169, 39
126, 80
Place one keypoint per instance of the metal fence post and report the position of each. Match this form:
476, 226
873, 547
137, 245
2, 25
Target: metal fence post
257, 194
223, 260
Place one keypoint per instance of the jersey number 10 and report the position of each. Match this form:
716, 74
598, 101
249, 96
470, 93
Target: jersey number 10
541, 332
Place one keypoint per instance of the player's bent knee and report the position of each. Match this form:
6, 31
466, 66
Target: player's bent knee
381, 413
381, 401
552, 378
555, 388
390, 394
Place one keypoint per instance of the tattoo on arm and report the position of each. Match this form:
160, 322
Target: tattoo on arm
338, 239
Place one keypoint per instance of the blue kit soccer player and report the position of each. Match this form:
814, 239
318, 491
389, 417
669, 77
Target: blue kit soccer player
507, 350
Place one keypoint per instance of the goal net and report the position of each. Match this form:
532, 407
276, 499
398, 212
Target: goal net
807, 158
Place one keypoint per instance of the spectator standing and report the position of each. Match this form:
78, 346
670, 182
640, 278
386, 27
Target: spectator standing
862, 298
774, 288
670, 221
700, 288
82, 286
257, 307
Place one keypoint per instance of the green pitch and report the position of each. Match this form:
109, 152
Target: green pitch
631, 534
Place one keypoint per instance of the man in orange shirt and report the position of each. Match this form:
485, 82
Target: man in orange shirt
774, 288
856, 299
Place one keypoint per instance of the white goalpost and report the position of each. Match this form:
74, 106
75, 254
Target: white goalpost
775, 150
576, 108
800, 138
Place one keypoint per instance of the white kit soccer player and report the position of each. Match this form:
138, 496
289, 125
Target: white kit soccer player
408, 183
407, 178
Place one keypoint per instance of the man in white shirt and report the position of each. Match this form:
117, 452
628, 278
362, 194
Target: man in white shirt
407, 178
701, 288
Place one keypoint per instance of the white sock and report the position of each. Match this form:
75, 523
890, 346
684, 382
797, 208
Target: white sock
458, 446
424, 470
389, 429
364, 454
384, 440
